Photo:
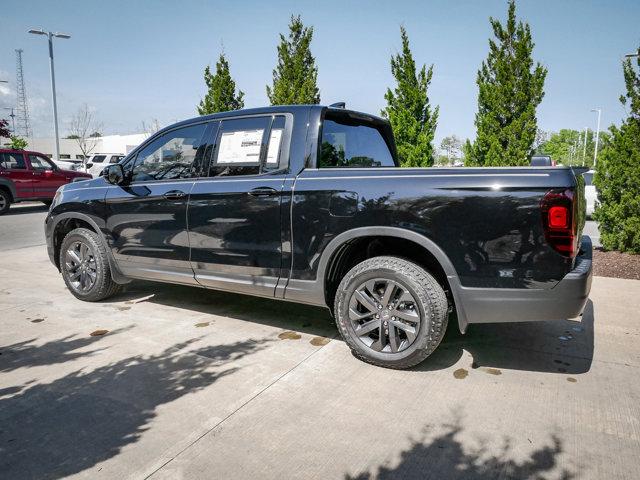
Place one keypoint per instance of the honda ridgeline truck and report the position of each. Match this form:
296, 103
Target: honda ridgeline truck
308, 204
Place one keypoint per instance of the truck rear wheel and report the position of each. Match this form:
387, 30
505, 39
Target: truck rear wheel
85, 266
391, 312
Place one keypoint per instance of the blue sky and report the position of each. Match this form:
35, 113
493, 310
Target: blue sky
134, 61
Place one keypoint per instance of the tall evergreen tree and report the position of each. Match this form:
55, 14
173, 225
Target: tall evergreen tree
618, 174
409, 110
510, 89
221, 94
296, 75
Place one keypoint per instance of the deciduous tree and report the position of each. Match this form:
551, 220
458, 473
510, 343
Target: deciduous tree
409, 110
83, 128
510, 90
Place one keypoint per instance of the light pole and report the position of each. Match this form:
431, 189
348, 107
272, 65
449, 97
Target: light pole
584, 146
50, 36
595, 150
13, 120
631, 55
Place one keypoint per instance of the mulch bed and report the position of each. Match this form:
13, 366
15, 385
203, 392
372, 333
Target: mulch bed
616, 264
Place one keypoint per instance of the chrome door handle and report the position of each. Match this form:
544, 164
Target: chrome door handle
174, 195
262, 191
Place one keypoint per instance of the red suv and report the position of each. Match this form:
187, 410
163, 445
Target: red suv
31, 176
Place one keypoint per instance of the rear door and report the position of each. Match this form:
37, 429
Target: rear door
14, 170
47, 177
234, 214
147, 217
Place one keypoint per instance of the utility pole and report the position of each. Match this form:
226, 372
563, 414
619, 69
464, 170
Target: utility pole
595, 150
13, 120
21, 94
584, 145
50, 36
631, 55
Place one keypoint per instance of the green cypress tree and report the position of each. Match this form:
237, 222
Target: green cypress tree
221, 94
510, 89
618, 174
296, 75
408, 109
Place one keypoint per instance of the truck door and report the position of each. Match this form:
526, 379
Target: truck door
47, 177
234, 214
147, 217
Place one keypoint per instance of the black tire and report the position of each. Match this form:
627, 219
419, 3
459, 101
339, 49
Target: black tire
103, 285
428, 301
5, 201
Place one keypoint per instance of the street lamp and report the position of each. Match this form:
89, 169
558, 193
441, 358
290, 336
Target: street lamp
13, 120
50, 36
595, 150
631, 55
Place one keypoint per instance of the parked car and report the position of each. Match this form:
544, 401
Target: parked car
542, 161
308, 204
590, 192
68, 164
96, 163
28, 176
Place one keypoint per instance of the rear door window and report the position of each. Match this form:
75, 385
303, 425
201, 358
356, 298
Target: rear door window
239, 147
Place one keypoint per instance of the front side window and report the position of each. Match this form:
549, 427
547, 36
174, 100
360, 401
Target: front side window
176, 154
348, 142
40, 163
13, 161
98, 158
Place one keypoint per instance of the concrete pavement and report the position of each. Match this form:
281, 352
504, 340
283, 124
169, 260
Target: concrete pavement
189, 383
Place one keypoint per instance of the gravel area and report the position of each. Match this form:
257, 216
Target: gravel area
616, 264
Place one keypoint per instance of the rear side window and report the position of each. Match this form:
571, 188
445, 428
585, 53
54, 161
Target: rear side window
116, 158
347, 142
40, 163
12, 161
175, 154
248, 146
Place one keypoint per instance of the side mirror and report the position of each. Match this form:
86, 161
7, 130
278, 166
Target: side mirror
89, 165
114, 174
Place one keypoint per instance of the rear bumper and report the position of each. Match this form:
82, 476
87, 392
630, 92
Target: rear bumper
566, 300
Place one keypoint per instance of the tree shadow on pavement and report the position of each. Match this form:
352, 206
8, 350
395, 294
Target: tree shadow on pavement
560, 346
445, 456
69, 425
29, 354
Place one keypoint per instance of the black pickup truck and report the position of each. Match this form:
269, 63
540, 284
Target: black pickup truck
308, 204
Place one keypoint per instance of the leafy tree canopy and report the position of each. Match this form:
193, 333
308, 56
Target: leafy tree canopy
409, 110
510, 90
296, 75
221, 90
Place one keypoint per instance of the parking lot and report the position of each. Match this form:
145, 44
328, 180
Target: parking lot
175, 382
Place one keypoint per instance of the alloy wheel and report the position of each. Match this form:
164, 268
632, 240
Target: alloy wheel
80, 264
384, 315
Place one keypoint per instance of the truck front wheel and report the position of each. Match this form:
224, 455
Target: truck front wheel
391, 312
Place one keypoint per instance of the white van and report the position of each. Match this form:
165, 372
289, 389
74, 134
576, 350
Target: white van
590, 192
98, 161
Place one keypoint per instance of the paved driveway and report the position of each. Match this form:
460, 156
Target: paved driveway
188, 383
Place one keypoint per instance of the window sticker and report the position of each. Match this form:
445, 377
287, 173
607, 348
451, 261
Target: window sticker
242, 146
274, 146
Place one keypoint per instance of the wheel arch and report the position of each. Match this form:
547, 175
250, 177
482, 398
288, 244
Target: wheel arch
68, 221
397, 242
8, 186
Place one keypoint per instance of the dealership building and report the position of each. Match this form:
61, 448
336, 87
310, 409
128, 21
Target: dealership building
69, 149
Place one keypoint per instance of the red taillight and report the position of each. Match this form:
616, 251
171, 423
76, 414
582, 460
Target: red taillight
559, 221
558, 217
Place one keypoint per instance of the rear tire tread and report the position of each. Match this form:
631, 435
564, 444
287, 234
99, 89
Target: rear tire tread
430, 293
